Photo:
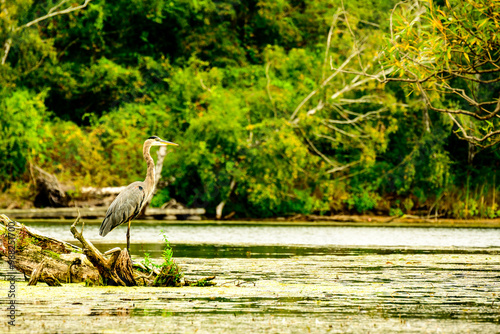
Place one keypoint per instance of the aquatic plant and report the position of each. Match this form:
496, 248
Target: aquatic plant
170, 274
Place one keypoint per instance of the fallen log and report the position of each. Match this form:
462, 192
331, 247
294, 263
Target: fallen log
46, 259
99, 212
25, 250
38, 274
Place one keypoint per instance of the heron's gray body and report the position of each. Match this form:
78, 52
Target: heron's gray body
126, 206
131, 200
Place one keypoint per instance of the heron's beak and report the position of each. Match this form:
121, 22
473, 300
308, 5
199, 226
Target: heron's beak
166, 143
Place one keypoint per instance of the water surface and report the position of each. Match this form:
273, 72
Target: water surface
352, 292
286, 235
283, 279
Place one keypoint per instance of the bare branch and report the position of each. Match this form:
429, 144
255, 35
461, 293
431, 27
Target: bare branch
473, 139
323, 84
359, 118
6, 47
342, 131
326, 137
363, 99
318, 152
355, 83
457, 111
58, 5
318, 107
8, 42
328, 40
53, 13
355, 40
341, 168
202, 84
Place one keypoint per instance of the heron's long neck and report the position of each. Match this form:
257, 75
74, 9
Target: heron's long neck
150, 174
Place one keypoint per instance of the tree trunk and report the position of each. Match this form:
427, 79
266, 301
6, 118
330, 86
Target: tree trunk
220, 206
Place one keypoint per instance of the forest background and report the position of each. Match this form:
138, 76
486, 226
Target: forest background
279, 107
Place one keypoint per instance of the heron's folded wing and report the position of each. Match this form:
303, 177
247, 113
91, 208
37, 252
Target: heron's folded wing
127, 205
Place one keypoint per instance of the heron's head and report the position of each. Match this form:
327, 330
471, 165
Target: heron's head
157, 141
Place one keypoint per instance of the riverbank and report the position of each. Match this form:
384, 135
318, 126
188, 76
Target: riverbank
196, 216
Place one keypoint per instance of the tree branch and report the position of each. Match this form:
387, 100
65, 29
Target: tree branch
6, 47
328, 41
359, 118
342, 131
323, 84
457, 111
53, 13
341, 168
318, 152
473, 139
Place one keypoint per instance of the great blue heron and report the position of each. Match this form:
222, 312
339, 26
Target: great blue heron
130, 201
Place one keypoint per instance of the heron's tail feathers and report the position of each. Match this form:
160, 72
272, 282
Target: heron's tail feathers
106, 226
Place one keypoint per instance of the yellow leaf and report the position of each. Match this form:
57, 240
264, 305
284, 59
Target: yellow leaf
437, 23
482, 23
467, 57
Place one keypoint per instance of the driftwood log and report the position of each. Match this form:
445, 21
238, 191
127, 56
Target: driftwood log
45, 259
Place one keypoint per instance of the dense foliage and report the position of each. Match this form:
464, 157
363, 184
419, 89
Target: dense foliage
257, 94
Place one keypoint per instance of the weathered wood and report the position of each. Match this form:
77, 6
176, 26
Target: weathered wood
53, 261
105, 267
50, 279
97, 212
123, 268
49, 192
39, 274
106, 191
35, 275
25, 249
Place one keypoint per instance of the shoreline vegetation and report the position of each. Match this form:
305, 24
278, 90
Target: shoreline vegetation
279, 108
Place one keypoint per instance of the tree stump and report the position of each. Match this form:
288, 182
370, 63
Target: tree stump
49, 192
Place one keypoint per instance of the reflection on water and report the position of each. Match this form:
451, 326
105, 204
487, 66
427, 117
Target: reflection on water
285, 235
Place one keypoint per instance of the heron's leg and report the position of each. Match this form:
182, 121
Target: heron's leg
128, 236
